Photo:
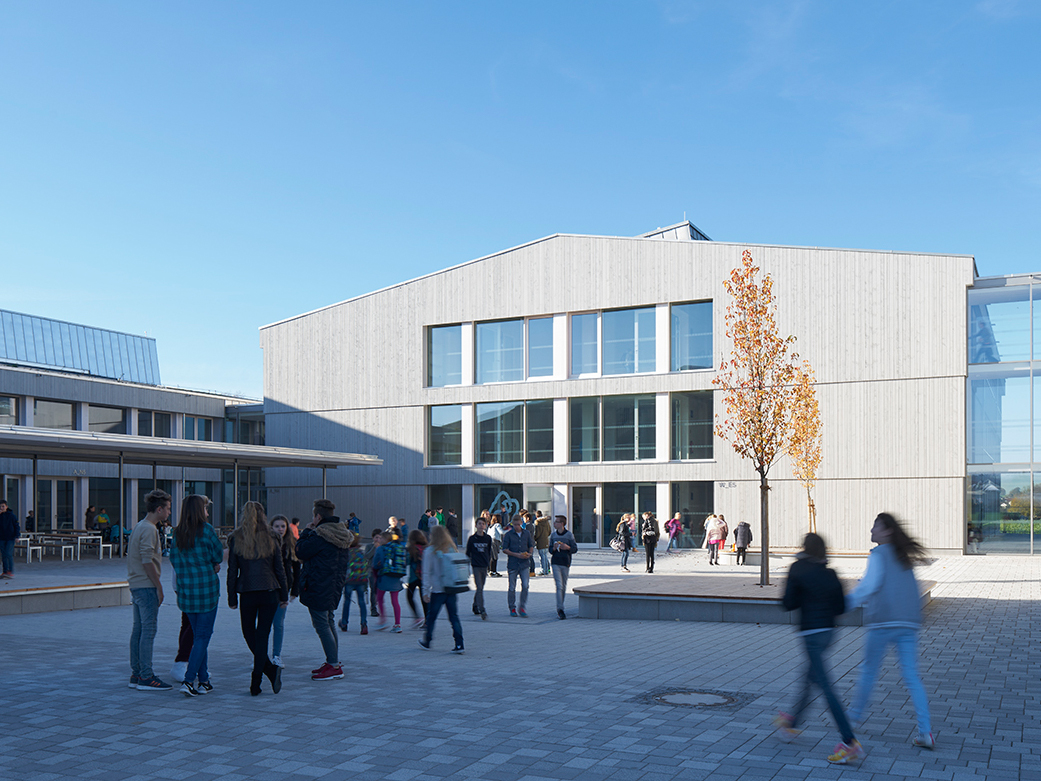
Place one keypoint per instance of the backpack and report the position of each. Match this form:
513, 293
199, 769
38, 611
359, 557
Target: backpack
395, 562
357, 567
455, 572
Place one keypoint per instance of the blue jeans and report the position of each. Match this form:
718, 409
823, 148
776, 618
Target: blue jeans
672, 541
278, 631
362, 592
906, 641
450, 603
7, 553
142, 636
544, 560
202, 630
816, 674
511, 596
560, 580
324, 623
625, 558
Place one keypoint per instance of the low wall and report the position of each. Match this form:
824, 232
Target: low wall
45, 600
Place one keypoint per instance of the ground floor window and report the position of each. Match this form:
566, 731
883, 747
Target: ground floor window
448, 500
1002, 512
693, 500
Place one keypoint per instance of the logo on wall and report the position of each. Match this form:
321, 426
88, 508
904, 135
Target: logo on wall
504, 499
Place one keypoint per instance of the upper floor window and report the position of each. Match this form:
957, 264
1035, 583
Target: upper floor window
584, 343
540, 347
692, 425
444, 355
692, 336
107, 420
499, 351
154, 424
54, 414
445, 435
9, 410
515, 432
628, 341
999, 324
199, 429
629, 428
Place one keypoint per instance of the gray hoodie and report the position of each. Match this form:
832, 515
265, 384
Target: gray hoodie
888, 592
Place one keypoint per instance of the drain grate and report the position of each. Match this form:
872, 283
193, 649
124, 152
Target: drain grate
695, 698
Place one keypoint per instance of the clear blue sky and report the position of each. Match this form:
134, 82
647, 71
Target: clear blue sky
195, 170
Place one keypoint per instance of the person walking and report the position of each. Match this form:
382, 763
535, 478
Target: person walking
624, 530
323, 548
257, 580
542, 533
814, 590
390, 564
10, 531
417, 542
434, 565
715, 536
291, 566
518, 545
649, 535
144, 562
495, 531
742, 539
673, 527
356, 586
479, 551
562, 547
893, 615
196, 556
370, 554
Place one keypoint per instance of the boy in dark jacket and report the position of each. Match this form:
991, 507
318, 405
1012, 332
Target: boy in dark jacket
323, 549
479, 551
815, 590
9, 533
742, 539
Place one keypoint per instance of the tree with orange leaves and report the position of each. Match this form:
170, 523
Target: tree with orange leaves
757, 383
804, 446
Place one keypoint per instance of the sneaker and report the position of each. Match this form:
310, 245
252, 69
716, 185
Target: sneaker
188, 690
134, 681
328, 672
924, 740
561, 615
484, 616
844, 754
277, 661
381, 627
203, 688
424, 646
418, 623
522, 613
476, 611
343, 626
179, 671
364, 629
458, 650
784, 724
152, 684
396, 629
513, 612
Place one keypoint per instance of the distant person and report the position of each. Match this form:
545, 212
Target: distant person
294, 528
649, 536
90, 519
742, 539
518, 545
624, 533
455, 529
370, 554
196, 556
10, 531
815, 591
291, 566
562, 546
390, 564
434, 576
356, 586
257, 587
542, 533
417, 542
479, 551
323, 548
144, 562
354, 523
673, 527
715, 537
893, 615
30, 521
104, 524
424, 521
495, 531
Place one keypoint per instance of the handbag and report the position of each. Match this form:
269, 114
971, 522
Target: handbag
618, 543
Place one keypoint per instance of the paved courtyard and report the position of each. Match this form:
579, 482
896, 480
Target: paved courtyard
531, 699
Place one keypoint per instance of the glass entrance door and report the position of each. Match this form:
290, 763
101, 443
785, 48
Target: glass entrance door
583, 514
64, 505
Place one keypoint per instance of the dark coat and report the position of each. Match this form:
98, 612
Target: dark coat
815, 589
9, 528
743, 535
323, 551
267, 574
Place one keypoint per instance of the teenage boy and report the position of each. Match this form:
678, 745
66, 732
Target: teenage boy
9, 532
479, 551
323, 549
562, 547
518, 545
144, 559
370, 554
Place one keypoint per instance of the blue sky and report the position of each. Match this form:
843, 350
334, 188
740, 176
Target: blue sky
193, 170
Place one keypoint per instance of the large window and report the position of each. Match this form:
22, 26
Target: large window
999, 324
999, 416
499, 351
628, 428
585, 428
1000, 512
500, 433
692, 336
540, 347
691, 425
8, 410
539, 429
623, 498
693, 500
200, 429
584, 352
107, 420
491, 497
444, 355
446, 435
449, 500
629, 341
53, 414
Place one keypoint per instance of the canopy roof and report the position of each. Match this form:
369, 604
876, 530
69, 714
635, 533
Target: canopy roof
52, 445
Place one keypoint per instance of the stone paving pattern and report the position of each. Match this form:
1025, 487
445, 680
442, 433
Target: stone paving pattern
531, 699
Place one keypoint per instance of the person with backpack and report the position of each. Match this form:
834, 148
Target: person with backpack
356, 586
439, 586
673, 527
389, 564
417, 542
649, 534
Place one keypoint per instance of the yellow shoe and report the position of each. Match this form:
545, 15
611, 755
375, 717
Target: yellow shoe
844, 754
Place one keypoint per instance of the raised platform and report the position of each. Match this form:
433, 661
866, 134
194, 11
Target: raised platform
720, 598
44, 600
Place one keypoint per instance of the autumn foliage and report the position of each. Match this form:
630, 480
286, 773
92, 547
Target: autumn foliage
804, 445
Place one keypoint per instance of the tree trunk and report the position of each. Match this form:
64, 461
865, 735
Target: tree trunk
764, 530
813, 512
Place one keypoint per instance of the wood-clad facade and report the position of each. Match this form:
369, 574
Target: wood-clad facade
885, 333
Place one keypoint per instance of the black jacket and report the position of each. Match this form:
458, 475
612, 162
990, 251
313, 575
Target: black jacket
815, 589
266, 574
9, 528
323, 551
742, 535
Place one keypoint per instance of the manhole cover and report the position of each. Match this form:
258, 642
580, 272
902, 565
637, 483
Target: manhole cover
693, 699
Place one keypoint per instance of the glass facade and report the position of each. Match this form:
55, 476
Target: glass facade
693, 500
445, 433
622, 498
629, 428
499, 351
107, 420
500, 433
54, 414
539, 431
444, 355
1003, 397
540, 347
584, 417
489, 496
691, 336
584, 352
448, 498
629, 341
692, 425
8, 410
